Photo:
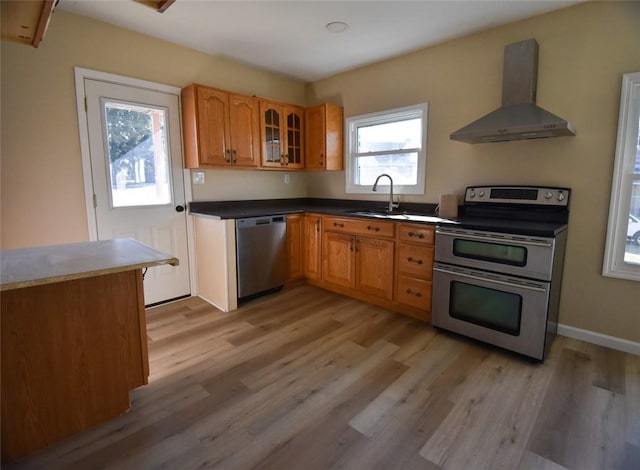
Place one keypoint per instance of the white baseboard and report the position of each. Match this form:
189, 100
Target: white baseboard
602, 340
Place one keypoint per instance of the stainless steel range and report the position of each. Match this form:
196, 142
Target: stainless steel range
497, 274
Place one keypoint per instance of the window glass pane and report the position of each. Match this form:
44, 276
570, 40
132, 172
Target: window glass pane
636, 168
138, 156
632, 248
398, 135
486, 307
403, 168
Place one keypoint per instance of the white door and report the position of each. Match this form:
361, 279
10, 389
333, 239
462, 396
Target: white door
136, 171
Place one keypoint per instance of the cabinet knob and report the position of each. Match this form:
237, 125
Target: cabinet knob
411, 260
413, 234
374, 228
336, 224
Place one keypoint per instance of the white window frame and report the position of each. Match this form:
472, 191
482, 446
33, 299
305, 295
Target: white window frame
353, 123
623, 180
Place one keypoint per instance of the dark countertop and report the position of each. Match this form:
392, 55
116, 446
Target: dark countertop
410, 212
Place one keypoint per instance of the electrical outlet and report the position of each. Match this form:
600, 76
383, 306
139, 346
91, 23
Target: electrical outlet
198, 177
286, 178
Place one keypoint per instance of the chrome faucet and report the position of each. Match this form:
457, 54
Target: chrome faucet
392, 205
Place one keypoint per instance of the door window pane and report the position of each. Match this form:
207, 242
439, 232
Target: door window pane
138, 159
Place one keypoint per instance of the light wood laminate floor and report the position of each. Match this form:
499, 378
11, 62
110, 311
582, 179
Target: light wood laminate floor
307, 379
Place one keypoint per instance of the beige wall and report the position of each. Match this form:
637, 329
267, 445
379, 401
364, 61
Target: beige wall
584, 50
42, 190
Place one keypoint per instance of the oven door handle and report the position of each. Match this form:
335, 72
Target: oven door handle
491, 280
494, 240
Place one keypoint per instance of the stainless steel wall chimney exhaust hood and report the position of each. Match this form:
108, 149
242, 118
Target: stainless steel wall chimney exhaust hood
519, 117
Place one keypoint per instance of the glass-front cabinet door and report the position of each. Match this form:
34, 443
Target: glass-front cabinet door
282, 134
295, 144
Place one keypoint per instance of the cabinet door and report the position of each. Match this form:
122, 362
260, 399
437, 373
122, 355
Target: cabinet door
295, 240
294, 137
374, 266
314, 121
271, 135
312, 246
338, 257
213, 127
244, 125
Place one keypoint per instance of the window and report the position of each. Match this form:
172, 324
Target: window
622, 251
392, 142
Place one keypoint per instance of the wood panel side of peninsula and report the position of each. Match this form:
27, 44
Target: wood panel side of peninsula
71, 352
73, 338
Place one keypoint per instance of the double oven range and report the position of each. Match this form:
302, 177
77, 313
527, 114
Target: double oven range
498, 272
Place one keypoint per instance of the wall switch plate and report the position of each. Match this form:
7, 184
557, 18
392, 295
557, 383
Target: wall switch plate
198, 177
286, 178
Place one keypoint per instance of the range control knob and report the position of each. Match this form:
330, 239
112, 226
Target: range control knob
481, 193
560, 197
472, 194
548, 195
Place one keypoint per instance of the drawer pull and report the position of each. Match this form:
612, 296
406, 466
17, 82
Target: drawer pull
371, 227
416, 293
413, 234
336, 224
411, 260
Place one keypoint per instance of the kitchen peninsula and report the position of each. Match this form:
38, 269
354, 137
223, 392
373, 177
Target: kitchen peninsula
73, 338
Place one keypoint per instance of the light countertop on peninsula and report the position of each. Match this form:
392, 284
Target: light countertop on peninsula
27, 267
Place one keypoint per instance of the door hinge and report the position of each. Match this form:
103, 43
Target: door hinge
86, 108
95, 201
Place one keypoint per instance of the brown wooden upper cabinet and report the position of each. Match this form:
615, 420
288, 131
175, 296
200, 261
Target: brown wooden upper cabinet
282, 135
25, 22
220, 128
324, 137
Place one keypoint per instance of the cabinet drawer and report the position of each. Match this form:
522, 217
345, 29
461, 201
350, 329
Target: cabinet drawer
358, 226
415, 260
416, 233
414, 292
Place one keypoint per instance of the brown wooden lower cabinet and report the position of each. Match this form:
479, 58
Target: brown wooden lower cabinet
295, 251
381, 262
338, 259
71, 352
312, 246
414, 265
374, 267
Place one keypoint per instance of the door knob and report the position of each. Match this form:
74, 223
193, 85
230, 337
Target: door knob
179, 208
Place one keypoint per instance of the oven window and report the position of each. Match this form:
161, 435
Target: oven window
485, 251
490, 308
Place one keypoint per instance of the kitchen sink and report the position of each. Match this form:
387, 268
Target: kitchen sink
394, 215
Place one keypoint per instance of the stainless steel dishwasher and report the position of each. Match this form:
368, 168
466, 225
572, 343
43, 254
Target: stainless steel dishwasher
261, 254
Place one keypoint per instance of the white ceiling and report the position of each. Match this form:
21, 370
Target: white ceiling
290, 37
